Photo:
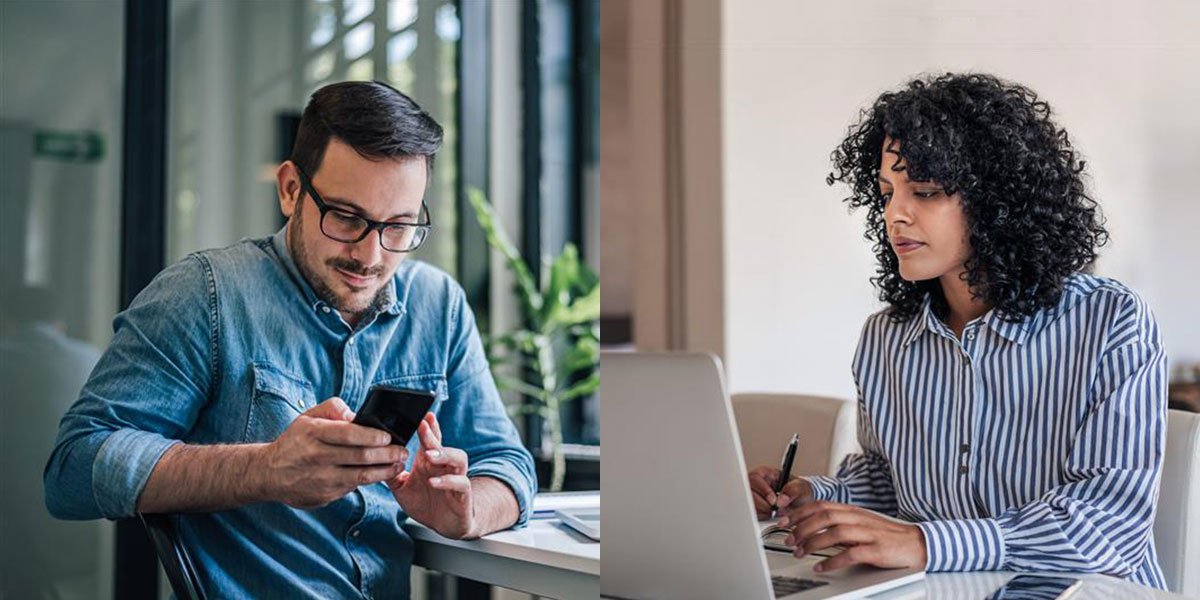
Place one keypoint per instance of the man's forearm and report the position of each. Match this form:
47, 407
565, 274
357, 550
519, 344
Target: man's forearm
494, 503
195, 478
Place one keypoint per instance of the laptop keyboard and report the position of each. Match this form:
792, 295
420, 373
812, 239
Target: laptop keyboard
790, 585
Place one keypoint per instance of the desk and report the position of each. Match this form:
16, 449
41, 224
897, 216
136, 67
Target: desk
546, 558
958, 586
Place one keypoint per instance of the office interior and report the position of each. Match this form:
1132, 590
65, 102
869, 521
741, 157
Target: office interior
719, 117
135, 132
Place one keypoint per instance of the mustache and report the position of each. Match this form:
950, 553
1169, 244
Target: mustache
354, 267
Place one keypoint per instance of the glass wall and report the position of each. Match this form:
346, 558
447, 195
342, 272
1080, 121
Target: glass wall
241, 73
60, 156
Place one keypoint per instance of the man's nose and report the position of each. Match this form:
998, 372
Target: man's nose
367, 250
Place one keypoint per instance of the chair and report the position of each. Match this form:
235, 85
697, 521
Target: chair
1177, 524
767, 421
174, 557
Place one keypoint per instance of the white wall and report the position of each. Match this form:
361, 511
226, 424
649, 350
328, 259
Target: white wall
1121, 76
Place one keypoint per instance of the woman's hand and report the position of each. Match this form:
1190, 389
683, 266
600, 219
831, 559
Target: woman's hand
869, 538
762, 489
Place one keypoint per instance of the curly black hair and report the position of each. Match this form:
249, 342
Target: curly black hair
1031, 222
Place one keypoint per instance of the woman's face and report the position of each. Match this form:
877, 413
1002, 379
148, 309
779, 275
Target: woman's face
926, 228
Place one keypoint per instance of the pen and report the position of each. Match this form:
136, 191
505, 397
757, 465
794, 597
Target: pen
785, 469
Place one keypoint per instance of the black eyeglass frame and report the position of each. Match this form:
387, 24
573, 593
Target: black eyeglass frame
427, 227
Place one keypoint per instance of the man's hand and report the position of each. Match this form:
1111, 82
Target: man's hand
322, 456
869, 538
437, 491
762, 489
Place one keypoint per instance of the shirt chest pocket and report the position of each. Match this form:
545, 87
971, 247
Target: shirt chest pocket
276, 399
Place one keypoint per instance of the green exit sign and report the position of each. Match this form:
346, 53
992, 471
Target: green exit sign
69, 146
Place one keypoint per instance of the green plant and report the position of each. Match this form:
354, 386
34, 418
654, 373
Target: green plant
554, 358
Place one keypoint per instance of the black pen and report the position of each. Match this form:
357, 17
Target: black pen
785, 469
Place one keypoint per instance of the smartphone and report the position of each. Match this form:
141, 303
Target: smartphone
1037, 586
397, 411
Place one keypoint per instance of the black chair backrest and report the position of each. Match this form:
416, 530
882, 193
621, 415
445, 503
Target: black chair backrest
174, 557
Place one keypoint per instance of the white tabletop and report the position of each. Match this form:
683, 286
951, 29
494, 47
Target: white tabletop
953, 586
981, 584
544, 541
545, 558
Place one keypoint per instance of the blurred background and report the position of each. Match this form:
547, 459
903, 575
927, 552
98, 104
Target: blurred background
133, 132
719, 117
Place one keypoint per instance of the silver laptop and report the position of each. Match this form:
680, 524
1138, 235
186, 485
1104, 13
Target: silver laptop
681, 523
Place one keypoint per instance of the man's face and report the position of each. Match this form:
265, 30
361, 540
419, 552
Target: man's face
350, 277
927, 229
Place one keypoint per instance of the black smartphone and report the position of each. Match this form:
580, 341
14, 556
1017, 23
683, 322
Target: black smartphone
1039, 587
397, 411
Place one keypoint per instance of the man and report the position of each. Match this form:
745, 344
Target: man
229, 387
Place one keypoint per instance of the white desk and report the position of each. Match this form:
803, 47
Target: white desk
957, 586
546, 558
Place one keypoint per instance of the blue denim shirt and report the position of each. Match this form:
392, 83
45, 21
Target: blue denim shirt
229, 346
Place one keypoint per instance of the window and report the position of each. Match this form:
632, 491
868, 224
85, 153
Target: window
413, 46
560, 43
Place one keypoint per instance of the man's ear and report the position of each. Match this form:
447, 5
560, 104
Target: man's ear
287, 185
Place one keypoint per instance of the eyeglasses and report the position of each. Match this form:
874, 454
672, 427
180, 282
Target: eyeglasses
346, 227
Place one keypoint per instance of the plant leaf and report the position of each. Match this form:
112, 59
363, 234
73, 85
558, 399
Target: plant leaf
584, 309
498, 239
581, 388
518, 385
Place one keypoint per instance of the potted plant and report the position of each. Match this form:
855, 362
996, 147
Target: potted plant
554, 357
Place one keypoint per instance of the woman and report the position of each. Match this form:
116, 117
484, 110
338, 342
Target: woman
1011, 406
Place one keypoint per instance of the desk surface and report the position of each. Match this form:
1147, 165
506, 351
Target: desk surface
979, 585
955, 586
543, 541
546, 558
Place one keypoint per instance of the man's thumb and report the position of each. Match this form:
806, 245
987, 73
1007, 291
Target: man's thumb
333, 408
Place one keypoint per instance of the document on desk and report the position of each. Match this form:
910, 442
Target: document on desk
774, 538
544, 505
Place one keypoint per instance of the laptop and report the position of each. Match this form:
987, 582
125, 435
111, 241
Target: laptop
681, 522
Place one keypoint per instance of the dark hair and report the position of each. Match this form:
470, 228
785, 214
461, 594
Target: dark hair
1031, 222
374, 118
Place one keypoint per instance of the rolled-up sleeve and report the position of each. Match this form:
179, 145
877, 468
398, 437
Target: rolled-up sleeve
1100, 519
142, 397
474, 419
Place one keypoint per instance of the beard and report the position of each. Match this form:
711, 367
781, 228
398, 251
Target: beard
351, 305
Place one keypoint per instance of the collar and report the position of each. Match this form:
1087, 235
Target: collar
394, 296
1014, 331
921, 322
926, 321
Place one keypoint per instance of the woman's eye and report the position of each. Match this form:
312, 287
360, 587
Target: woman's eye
885, 196
928, 194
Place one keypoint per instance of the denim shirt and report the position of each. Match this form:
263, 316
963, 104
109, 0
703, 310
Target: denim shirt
229, 346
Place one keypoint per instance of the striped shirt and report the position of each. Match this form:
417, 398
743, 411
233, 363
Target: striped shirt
1026, 446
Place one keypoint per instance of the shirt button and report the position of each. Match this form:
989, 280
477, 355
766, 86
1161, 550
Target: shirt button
965, 448
356, 533
970, 335
963, 469
325, 309
351, 342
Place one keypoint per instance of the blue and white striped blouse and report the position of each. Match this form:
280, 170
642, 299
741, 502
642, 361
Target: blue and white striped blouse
1029, 446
